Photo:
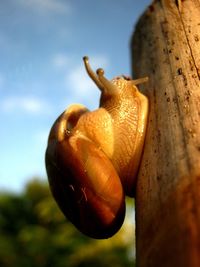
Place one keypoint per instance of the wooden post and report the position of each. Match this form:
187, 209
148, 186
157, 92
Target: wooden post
166, 47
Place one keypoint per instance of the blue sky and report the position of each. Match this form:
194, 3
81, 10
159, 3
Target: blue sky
42, 43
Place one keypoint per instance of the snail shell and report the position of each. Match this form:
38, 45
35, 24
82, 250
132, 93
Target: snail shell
92, 158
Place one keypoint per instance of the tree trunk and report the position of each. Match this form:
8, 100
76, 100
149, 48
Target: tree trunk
166, 47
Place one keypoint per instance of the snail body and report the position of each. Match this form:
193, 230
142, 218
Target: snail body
92, 157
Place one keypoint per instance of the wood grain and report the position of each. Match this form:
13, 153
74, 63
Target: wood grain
166, 47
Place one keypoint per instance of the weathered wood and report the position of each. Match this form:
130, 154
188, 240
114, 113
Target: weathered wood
166, 47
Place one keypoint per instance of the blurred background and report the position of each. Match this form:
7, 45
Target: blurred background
42, 43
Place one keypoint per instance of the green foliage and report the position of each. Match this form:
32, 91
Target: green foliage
34, 233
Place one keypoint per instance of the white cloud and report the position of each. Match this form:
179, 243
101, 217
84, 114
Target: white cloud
56, 6
29, 104
79, 81
60, 60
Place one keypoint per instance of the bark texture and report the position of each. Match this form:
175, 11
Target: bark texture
166, 47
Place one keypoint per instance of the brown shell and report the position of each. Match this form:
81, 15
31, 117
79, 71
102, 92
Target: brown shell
84, 182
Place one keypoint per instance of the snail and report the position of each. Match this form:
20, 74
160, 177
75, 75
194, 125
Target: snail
92, 157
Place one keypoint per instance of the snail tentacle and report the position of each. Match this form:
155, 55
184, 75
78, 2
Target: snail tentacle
109, 87
140, 80
92, 74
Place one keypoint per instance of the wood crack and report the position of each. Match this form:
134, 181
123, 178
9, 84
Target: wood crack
189, 46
